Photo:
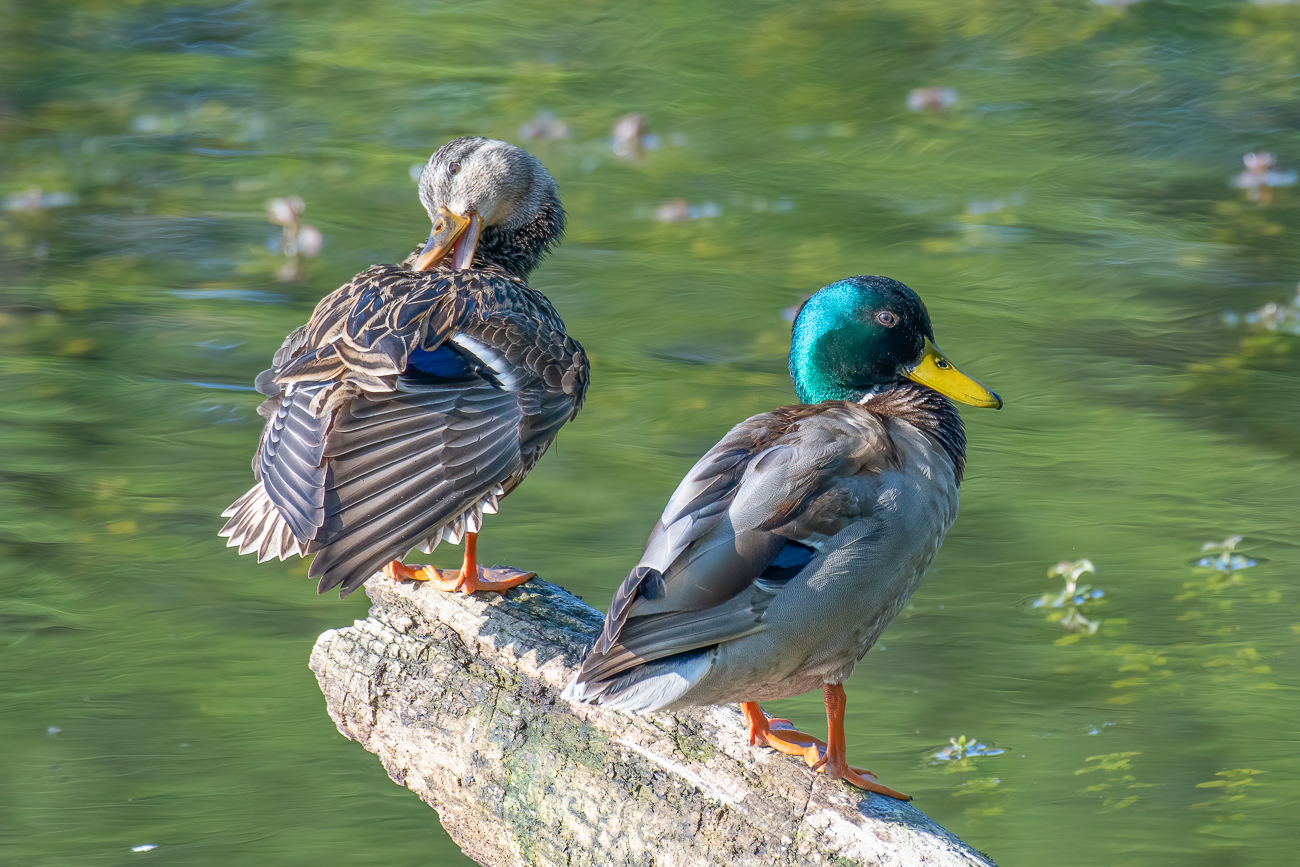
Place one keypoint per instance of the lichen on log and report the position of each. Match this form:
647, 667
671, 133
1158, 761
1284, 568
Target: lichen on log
458, 696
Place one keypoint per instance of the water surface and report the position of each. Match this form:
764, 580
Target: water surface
1066, 209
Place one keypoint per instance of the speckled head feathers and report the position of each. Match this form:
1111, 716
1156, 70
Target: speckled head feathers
510, 190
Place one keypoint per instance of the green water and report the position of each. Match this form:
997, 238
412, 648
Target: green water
1069, 220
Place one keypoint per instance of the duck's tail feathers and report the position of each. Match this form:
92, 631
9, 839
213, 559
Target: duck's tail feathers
648, 687
470, 521
256, 525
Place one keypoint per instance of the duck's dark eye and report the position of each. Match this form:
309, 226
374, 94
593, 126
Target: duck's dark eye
887, 318
453, 169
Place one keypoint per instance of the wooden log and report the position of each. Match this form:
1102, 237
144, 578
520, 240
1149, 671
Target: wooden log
459, 697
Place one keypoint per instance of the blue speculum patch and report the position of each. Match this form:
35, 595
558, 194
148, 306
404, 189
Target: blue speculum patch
443, 362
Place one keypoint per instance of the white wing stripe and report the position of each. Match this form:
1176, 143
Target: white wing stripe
489, 358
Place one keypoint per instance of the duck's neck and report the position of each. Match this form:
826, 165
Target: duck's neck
926, 410
816, 374
920, 406
815, 384
518, 251
832, 357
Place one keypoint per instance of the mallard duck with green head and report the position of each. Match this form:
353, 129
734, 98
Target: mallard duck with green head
418, 395
793, 542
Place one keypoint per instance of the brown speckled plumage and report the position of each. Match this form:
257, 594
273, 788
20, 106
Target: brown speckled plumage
366, 457
412, 401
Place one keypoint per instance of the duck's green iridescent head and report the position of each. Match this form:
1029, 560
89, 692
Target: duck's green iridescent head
862, 334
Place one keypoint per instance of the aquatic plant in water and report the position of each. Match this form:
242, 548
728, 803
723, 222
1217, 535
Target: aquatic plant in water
960, 756
1116, 768
1222, 558
297, 242
961, 748
1260, 177
1228, 807
1071, 600
1219, 567
1282, 317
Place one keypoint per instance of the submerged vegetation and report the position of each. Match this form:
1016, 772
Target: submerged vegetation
1069, 603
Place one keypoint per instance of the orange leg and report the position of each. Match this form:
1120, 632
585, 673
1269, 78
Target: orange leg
470, 578
835, 762
791, 741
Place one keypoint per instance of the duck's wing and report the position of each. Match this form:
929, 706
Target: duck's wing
745, 520
365, 330
407, 406
448, 443
358, 339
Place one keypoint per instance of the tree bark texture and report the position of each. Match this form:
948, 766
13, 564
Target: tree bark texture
459, 697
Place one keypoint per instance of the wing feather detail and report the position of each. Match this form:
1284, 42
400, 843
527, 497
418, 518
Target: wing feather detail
716, 559
290, 462
364, 456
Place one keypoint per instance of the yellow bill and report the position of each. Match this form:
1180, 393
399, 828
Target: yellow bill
454, 236
943, 376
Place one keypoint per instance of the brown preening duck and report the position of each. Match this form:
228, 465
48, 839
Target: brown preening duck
794, 541
418, 395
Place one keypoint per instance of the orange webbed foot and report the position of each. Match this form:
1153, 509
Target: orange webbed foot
853, 776
497, 579
446, 580
777, 733
400, 572
780, 735
833, 763
816, 759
